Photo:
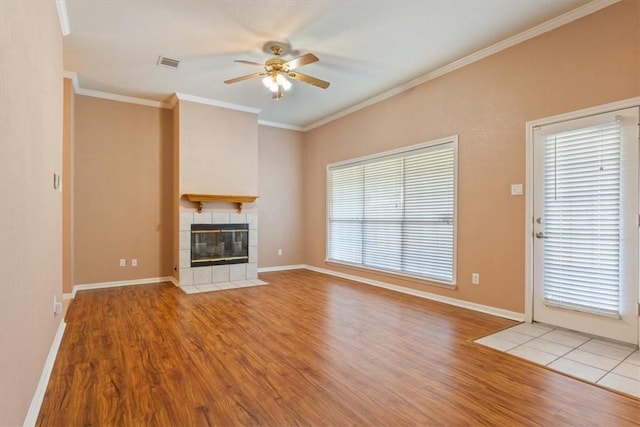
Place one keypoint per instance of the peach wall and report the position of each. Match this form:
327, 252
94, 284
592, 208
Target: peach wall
30, 209
122, 183
67, 184
280, 212
218, 151
591, 61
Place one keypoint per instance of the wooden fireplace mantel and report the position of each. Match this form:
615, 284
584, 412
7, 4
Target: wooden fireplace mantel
204, 198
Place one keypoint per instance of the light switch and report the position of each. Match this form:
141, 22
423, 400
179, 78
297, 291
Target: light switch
516, 189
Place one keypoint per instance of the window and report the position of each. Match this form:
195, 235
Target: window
396, 211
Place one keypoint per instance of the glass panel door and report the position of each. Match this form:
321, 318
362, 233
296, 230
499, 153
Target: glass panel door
586, 225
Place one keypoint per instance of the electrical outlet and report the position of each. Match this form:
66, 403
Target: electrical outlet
57, 307
134, 262
279, 251
123, 262
475, 278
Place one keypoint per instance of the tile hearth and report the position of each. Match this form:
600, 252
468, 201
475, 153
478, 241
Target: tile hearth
212, 287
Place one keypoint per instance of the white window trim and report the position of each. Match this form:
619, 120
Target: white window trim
528, 220
446, 140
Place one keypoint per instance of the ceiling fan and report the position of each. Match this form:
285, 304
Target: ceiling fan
276, 70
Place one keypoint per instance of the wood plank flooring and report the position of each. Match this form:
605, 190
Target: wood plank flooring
308, 349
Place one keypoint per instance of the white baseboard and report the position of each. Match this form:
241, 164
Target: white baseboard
422, 294
426, 295
36, 402
282, 268
101, 285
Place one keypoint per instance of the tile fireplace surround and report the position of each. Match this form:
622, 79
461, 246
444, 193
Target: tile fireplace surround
217, 277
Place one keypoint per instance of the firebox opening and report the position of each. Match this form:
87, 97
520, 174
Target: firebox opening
218, 244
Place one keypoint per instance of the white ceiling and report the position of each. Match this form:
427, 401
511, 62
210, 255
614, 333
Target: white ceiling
366, 48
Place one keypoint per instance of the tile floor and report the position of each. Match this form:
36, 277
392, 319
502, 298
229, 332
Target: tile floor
611, 364
196, 289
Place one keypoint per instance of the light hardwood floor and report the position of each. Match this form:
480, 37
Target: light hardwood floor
308, 349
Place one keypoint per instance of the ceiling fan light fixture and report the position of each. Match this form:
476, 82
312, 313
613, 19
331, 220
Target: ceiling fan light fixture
270, 84
281, 80
277, 84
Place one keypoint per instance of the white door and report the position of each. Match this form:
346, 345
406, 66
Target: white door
585, 230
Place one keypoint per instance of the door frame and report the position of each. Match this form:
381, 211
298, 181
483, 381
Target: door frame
528, 229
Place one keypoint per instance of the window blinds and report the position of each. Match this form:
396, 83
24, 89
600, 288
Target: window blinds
395, 212
583, 219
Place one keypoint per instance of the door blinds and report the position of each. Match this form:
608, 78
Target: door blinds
395, 212
582, 212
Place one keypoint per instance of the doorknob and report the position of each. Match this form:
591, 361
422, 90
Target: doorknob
539, 220
540, 235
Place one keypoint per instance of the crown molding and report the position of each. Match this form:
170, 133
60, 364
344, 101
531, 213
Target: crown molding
215, 103
63, 16
545, 27
580, 12
73, 76
122, 98
158, 104
280, 125
173, 101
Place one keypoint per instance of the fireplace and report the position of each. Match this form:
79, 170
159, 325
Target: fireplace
208, 275
218, 244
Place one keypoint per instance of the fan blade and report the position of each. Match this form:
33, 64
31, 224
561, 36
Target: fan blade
248, 62
308, 58
308, 79
239, 79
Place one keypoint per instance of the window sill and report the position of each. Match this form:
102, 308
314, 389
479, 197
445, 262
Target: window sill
410, 278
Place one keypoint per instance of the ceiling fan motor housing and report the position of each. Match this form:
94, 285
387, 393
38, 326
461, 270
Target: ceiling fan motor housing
275, 64
277, 68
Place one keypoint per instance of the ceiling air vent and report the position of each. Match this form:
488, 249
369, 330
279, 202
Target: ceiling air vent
168, 62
